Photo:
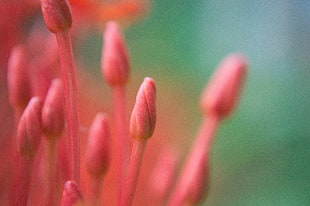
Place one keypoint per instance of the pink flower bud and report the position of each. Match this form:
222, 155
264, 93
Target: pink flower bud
71, 194
57, 15
143, 116
18, 78
29, 129
221, 94
97, 153
115, 63
53, 117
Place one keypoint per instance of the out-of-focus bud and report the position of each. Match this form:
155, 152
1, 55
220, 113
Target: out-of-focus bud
114, 61
18, 78
57, 15
97, 153
143, 116
53, 117
71, 194
29, 129
221, 94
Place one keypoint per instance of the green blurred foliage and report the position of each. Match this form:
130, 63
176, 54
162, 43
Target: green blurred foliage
261, 155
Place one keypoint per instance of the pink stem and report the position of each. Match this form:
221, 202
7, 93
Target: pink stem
122, 144
69, 79
128, 192
16, 159
50, 172
95, 191
23, 181
199, 150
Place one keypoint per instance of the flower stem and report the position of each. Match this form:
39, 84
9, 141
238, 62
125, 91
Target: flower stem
122, 144
23, 181
129, 189
50, 172
69, 79
198, 153
95, 191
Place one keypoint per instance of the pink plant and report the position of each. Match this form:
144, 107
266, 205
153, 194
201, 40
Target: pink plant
46, 103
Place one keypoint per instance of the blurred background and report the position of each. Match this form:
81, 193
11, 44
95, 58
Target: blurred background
261, 154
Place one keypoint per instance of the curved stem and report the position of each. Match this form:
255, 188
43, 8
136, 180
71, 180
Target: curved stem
198, 153
128, 192
69, 79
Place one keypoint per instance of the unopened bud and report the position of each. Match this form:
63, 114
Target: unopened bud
221, 94
57, 15
143, 116
53, 117
71, 194
29, 129
115, 63
18, 78
97, 153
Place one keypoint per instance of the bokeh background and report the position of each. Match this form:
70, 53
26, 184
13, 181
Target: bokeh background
261, 154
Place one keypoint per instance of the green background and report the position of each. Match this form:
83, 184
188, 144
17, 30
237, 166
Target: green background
261, 155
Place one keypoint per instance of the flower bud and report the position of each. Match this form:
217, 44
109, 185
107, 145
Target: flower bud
71, 194
18, 78
221, 94
115, 64
57, 15
143, 116
97, 152
53, 117
29, 129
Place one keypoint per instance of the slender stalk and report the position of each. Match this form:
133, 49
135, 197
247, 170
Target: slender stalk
23, 181
15, 158
70, 91
123, 144
95, 191
199, 151
128, 192
50, 172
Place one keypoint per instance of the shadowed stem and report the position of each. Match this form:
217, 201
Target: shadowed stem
131, 181
123, 144
23, 181
95, 197
16, 158
198, 153
70, 91
50, 172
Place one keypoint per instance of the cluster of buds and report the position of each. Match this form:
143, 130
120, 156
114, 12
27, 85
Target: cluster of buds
46, 152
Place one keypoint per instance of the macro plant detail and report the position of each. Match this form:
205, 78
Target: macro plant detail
49, 165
